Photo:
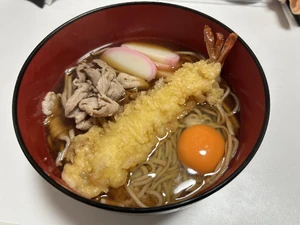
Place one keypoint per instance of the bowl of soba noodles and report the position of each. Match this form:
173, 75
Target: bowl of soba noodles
141, 107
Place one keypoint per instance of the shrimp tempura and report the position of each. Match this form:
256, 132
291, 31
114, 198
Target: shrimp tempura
103, 157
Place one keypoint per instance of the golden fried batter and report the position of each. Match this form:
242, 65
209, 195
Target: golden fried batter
102, 157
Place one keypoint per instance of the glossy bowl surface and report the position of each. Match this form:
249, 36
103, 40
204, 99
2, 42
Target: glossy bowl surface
45, 67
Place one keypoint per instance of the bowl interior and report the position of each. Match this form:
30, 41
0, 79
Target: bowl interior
46, 65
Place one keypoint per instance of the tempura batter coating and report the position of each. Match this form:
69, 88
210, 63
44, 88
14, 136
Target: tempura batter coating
104, 156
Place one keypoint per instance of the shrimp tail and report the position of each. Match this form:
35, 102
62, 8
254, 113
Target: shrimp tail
209, 39
219, 44
216, 48
229, 43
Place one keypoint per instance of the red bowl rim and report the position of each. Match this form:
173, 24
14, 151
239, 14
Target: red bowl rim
127, 209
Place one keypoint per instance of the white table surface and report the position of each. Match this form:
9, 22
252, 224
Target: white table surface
266, 192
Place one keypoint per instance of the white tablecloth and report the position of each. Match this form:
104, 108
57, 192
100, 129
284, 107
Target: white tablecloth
266, 192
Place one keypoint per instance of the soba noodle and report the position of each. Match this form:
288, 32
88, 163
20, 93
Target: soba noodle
161, 179
164, 178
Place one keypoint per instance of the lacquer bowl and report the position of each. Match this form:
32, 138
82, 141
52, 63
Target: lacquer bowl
45, 67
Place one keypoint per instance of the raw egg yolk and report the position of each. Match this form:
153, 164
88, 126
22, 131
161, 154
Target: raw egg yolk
201, 148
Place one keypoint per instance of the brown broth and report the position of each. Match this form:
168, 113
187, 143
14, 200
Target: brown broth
119, 196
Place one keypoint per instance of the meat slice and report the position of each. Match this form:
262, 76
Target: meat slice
48, 103
108, 85
129, 81
101, 106
96, 93
80, 93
